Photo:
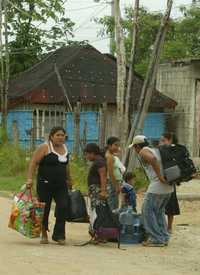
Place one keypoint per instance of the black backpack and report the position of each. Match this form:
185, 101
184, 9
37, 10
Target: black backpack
176, 155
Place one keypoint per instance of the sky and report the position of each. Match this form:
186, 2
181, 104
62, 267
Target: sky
83, 12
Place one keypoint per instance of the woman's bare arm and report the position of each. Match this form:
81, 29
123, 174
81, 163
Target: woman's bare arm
110, 166
36, 158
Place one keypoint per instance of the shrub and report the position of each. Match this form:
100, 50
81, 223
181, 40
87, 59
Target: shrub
141, 179
79, 171
12, 160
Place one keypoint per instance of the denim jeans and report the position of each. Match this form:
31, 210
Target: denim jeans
113, 198
153, 217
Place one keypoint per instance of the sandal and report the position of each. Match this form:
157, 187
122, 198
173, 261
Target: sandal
152, 244
44, 240
59, 241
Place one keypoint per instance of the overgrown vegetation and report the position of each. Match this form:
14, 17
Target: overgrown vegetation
12, 160
14, 163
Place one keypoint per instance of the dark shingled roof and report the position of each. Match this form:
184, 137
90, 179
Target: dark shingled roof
88, 76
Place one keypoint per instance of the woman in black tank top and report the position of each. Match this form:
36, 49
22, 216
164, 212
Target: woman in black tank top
53, 181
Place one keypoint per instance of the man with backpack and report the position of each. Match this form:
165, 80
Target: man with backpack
157, 195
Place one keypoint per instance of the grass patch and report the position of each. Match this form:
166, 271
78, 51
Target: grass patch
12, 183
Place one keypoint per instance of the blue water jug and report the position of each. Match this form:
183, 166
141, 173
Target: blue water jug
131, 229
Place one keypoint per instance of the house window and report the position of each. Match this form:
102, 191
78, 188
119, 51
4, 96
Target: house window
44, 120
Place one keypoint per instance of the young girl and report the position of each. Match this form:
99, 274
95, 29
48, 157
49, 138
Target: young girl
115, 173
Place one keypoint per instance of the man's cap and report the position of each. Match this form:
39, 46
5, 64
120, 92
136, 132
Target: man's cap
139, 139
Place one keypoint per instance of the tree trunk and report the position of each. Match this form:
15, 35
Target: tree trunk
121, 68
149, 83
1, 57
131, 70
102, 125
77, 141
7, 64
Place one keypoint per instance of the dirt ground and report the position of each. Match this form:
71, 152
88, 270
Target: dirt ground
20, 256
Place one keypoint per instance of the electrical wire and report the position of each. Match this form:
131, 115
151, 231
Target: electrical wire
93, 14
84, 8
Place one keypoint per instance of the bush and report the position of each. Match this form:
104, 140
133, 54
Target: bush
13, 167
141, 179
12, 160
79, 172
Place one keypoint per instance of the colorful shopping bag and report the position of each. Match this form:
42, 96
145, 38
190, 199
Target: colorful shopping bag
26, 214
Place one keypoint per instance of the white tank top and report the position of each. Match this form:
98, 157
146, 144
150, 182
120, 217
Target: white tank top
156, 186
61, 158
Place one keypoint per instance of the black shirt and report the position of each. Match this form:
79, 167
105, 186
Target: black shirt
93, 175
52, 170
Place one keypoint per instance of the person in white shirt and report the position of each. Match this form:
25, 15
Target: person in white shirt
157, 196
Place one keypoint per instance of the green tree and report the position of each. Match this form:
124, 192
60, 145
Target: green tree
35, 27
183, 38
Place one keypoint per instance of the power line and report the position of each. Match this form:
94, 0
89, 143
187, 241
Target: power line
95, 13
84, 8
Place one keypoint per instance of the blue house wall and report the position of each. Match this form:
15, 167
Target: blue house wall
24, 122
92, 126
154, 126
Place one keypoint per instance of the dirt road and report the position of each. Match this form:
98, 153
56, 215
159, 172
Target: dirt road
20, 256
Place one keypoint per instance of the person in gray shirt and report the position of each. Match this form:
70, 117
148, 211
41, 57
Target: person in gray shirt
157, 195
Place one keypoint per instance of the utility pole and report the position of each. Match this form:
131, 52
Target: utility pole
121, 69
149, 83
131, 68
4, 65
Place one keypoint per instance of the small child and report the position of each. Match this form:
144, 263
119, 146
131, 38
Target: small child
128, 191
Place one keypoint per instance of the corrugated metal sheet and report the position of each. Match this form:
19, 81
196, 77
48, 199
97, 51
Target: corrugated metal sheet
88, 76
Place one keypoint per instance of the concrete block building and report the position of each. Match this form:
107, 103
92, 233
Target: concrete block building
180, 80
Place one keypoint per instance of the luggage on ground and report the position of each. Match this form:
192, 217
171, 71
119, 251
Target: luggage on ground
78, 209
106, 226
132, 231
26, 214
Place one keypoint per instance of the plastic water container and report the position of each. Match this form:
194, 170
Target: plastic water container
131, 231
